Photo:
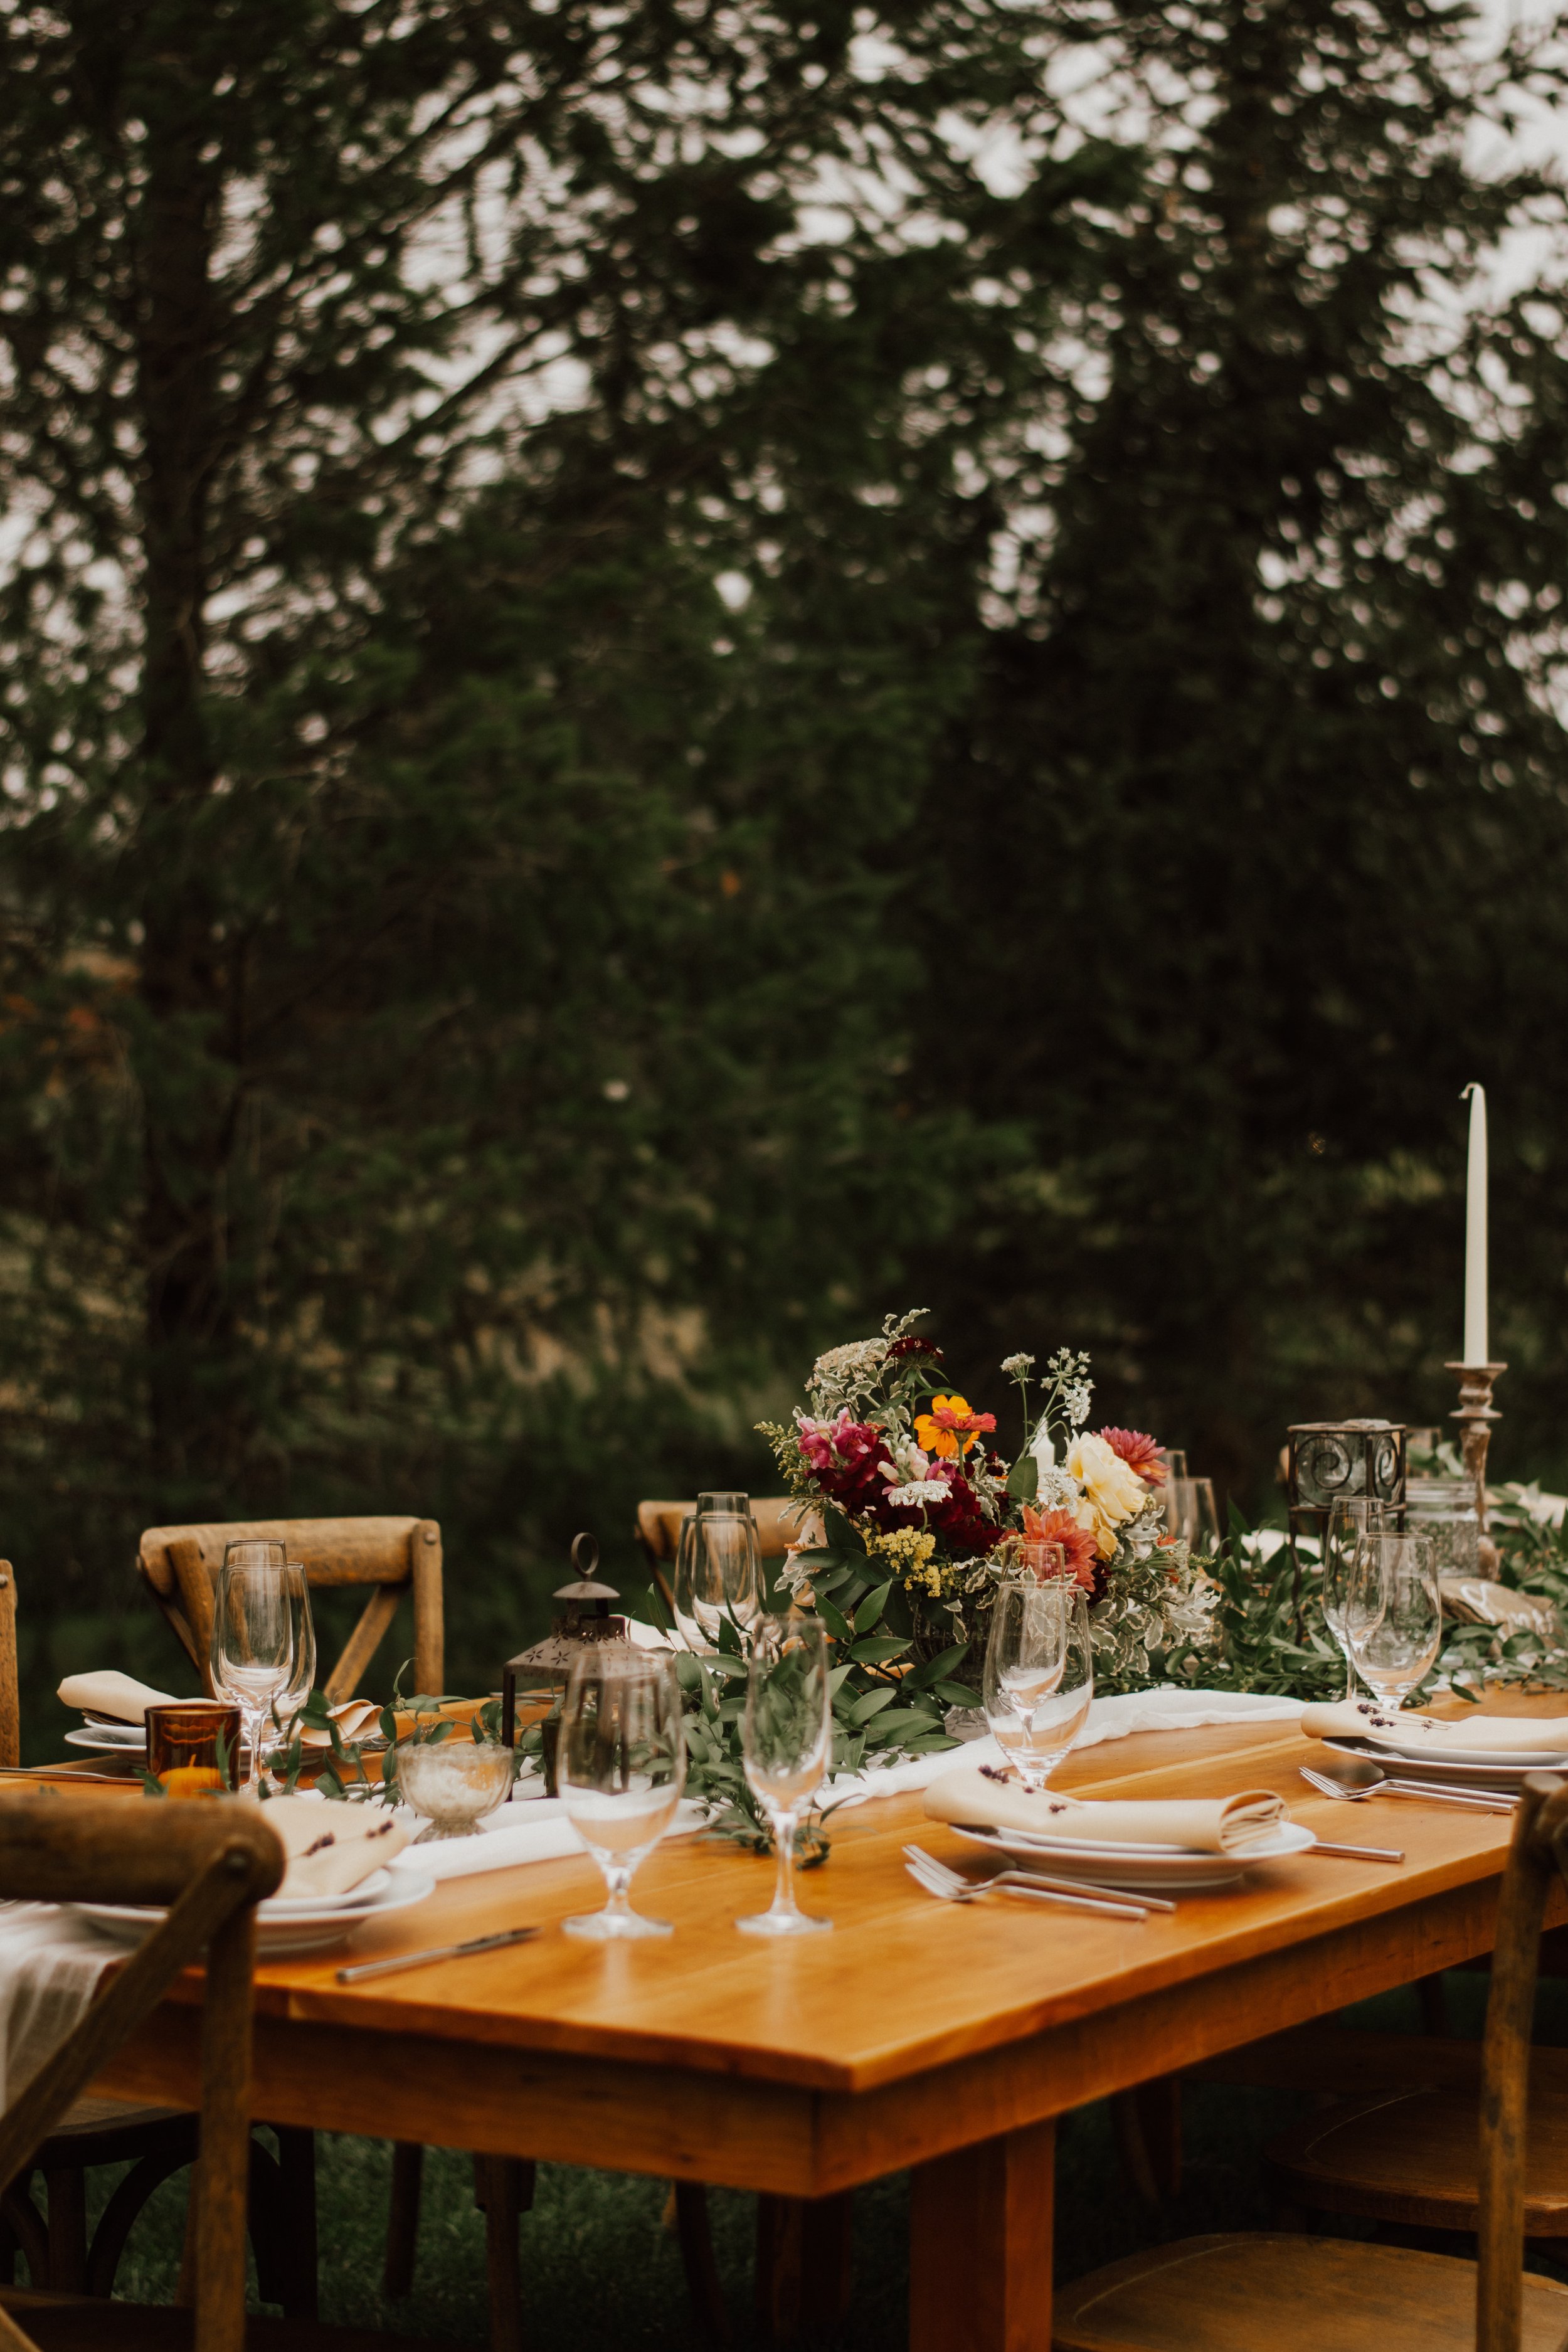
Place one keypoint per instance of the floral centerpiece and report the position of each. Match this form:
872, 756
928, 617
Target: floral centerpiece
906, 1508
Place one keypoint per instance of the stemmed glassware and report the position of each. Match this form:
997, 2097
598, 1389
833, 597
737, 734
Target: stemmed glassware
786, 1746
1394, 1615
1348, 1519
620, 1766
284, 1712
718, 1570
1040, 1672
252, 1653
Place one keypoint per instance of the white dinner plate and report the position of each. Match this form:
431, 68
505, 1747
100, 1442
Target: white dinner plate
104, 1743
1154, 1867
277, 1936
1474, 1771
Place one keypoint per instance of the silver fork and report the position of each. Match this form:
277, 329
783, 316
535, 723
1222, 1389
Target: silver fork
1473, 1801
950, 1887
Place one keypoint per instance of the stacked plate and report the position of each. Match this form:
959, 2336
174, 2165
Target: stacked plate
105, 1737
1477, 1768
1156, 1869
285, 1925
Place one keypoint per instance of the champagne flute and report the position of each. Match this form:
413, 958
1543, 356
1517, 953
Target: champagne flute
252, 1652
1348, 1518
620, 1766
718, 1570
1039, 1674
284, 1712
786, 1742
1393, 1616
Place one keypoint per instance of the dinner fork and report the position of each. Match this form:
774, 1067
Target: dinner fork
950, 1887
1475, 1801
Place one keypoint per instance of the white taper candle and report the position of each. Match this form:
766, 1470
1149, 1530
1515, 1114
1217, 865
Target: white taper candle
1475, 1351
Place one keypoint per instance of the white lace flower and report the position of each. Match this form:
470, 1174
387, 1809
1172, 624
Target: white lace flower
916, 1495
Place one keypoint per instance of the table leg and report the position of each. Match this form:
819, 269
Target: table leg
803, 2273
981, 2224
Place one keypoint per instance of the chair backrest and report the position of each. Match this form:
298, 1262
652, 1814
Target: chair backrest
391, 1556
211, 1863
10, 1702
1539, 1853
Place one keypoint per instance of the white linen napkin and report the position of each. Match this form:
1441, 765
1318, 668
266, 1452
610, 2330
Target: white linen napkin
1174, 1709
330, 1848
50, 1963
120, 1696
1196, 1824
1509, 1734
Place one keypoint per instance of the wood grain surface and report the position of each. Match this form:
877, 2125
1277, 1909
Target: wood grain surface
914, 2029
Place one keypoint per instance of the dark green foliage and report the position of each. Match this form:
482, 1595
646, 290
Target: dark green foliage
1267, 845
624, 741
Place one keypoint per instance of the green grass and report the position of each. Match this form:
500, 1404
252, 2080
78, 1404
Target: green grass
595, 2252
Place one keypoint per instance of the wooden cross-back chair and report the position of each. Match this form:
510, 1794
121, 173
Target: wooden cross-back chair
211, 1864
1296, 2293
155, 2142
393, 1556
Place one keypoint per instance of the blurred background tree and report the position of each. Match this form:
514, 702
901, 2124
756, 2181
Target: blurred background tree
678, 675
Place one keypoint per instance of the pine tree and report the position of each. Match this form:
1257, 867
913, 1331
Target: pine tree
1268, 843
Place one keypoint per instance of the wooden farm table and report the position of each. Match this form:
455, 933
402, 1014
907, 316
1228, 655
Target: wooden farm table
939, 2037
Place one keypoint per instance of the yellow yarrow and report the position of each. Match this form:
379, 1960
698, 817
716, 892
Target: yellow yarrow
909, 1552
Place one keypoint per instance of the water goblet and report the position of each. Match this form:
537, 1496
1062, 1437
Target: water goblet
1348, 1518
252, 1653
620, 1766
786, 1744
718, 1570
1039, 1674
1394, 1614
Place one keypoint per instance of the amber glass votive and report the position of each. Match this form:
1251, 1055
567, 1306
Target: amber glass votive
193, 1747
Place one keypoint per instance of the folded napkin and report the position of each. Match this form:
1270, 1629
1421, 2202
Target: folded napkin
979, 1799
331, 1847
119, 1696
1509, 1735
356, 1719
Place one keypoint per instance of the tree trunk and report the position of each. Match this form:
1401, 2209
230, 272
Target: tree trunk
188, 1078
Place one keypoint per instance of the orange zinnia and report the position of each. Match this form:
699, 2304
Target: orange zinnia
952, 1426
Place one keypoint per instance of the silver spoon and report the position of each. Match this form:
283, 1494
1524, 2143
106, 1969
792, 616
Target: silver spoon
1371, 1781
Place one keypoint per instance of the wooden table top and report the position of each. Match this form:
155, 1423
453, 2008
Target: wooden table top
905, 1984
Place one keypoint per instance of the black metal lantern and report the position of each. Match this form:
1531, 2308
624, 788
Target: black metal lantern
586, 1619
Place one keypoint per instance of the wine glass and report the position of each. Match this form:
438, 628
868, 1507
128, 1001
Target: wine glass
718, 1570
1039, 1674
1190, 1512
620, 1766
284, 1712
252, 1653
786, 1742
1393, 1613
1348, 1518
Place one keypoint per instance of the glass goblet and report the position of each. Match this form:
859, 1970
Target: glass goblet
620, 1766
1039, 1674
1394, 1615
786, 1742
252, 1653
1348, 1518
718, 1572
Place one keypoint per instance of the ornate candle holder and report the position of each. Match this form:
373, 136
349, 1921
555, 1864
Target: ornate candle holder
1476, 1415
1334, 1460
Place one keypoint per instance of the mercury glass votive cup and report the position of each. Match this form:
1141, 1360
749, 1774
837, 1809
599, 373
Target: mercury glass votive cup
455, 1783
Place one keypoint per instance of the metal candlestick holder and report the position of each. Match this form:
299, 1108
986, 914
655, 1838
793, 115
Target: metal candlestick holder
1476, 1415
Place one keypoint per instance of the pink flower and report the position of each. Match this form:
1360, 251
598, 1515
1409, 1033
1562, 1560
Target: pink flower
1139, 1453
